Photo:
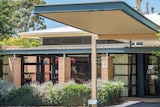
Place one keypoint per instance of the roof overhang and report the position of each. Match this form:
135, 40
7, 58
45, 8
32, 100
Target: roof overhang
65, 31
110, 20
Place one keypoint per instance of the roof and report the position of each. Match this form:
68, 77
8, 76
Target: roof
59, 31
78, 49
155, 17
103, 18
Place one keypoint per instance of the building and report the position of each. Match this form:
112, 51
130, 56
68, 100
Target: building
124, 45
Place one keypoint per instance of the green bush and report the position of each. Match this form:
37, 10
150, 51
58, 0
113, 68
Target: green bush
49, 93
5, 87
40, 91
75, 95
52, 95
21, 97
111, 94
64, 94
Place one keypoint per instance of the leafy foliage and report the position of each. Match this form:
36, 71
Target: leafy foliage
111, 94
5, 88
64, 94
49, 93
75, 95
22, 42
156, 53
17, 16
24, 19
20, 97
6, 22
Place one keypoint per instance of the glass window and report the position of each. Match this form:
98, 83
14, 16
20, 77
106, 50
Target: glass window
5, 60
121, 78
5, 69
152, 89
30, 68
73, 40
30, 72
133, 69
120, 58
30, 59
133, 90
121, 69
133, 79
86, 40
133, 59
124, 68
125, 91
51, 41
5, 72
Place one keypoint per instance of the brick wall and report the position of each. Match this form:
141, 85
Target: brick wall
15, 69
64, 69
107, 68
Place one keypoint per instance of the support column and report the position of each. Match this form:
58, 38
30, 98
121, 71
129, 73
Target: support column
94, 68
54, 68
140, 75
15, 69
64, 69
1, 69
107, 68
42, 70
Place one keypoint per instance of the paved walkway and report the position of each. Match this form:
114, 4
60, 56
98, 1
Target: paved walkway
139, 102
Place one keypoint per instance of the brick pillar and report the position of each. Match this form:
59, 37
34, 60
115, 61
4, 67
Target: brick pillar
107, 68
15, 70
64, 69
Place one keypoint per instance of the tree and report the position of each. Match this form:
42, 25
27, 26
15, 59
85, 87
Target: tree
21, 42
17, 16
6, 11
24, 19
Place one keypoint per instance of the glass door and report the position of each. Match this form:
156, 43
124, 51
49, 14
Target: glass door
125, 71
152, 75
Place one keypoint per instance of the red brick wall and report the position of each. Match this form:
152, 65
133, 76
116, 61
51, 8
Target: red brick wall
15, 70
107, 68
64, 69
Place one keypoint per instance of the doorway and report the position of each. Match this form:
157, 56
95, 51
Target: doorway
152, 75
125, 71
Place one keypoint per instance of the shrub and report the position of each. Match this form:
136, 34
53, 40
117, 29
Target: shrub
5, 87
75, 95
49, 93
64, 94
111, 94
58, 94
21, 97
40, 90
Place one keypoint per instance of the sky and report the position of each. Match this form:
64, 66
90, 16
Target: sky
132, 3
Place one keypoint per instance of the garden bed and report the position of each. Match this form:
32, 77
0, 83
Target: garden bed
62, 95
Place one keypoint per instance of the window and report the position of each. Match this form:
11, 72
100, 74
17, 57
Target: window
125, 71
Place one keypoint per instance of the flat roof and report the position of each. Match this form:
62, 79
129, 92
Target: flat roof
102, 18
121, 48
54, 32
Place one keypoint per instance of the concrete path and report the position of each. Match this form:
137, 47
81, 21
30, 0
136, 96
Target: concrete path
139, 102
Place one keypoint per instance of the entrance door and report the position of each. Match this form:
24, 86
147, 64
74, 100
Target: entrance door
125, 71
152, 83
